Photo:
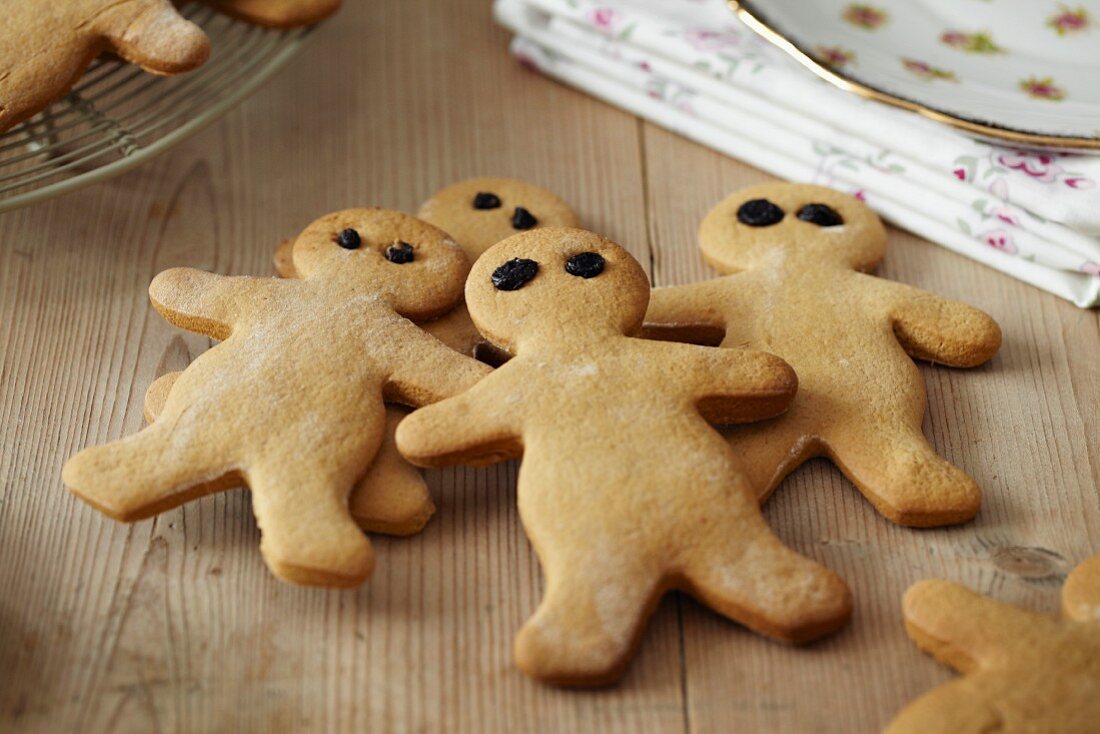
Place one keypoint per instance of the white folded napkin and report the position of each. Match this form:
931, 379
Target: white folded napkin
690, 66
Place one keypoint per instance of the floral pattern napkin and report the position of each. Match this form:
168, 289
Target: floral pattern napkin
690, 66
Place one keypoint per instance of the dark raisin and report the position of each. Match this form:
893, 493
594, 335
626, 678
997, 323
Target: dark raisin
400, 253
485, 200
822, 215
514, 274
759, 213
349, 239
523, 219
585, 264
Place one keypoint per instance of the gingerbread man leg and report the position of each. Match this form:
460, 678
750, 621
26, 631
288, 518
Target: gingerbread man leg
762, 584
391, 498
308, 535
595, 604
903, 476
957, 707
770, 450
118, 479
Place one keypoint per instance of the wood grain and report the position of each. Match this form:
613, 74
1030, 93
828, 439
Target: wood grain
174, 624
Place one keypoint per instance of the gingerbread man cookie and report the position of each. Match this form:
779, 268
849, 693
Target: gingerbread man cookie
277, 13
1023, 672
796, 257
625, 490
46, 46
291, 401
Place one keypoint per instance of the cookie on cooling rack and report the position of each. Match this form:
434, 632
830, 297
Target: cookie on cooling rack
277, 13
51, 44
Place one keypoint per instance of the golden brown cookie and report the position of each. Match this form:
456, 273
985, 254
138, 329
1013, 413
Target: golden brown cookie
480, 212
625, 491
391, 498
796, 257
1023, 672
291, 402
45, 46
277, 13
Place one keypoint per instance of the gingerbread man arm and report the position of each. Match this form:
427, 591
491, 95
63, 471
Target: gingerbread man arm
939, 330
428, 375
1081, 592
204, 302
474, 428
967, 630
685, 313
155, 36
738, 385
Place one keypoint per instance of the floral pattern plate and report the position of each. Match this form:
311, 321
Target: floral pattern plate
1025, 71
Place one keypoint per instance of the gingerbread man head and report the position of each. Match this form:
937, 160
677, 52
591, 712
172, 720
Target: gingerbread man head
764, 225
569, 285
479, 212
418, 268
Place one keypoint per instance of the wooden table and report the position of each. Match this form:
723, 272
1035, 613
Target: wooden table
174, 624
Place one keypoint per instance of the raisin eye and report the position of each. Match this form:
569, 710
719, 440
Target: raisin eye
759, 213
514, 274
523, 219
400, 253
822, 215
485, 200
349, 239
585, 265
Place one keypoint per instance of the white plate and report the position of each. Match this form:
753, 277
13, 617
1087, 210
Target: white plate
1026, 71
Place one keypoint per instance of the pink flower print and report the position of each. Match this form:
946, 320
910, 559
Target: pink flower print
1079, 182
1067, 21
1043, 88
974, 43
860, 195
927, 71
604, 19
999, 239
1040, 166
1090, 267
835, 56
864, 16
954, 38
960, 173
707, 41
1005, 215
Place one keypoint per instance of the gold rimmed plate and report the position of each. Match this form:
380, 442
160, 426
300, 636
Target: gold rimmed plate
1025, 72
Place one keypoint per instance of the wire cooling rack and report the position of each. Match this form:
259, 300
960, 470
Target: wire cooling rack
118, 116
